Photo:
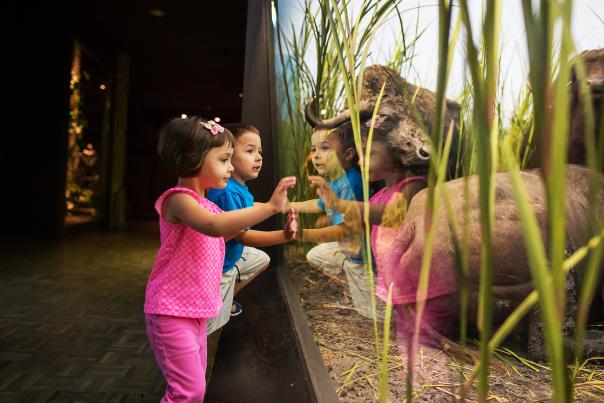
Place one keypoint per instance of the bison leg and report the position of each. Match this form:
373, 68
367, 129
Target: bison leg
536, 341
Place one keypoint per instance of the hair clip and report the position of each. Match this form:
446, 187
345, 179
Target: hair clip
213, 127
373, 122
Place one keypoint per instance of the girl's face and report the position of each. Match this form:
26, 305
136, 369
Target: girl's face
216, 167
380, 162
247, 157
324, 149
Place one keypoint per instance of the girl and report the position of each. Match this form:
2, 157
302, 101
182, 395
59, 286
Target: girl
387, 212
183, 290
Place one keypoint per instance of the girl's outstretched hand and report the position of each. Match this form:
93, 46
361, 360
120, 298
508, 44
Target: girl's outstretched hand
324, 190
292, 227
279, 200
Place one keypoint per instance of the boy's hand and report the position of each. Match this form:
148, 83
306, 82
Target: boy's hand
325, 191
279, 200
292, 227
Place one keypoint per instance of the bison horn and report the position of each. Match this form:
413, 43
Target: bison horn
311, 117
365, 112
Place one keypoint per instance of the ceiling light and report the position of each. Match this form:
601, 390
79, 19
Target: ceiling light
155, 12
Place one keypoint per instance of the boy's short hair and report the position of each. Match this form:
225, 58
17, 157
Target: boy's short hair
183, 144
345, 136
239, 128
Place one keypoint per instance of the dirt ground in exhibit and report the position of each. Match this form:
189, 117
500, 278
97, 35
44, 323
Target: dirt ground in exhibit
347, 344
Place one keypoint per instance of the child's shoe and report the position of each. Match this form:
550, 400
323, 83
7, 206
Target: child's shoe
236, 309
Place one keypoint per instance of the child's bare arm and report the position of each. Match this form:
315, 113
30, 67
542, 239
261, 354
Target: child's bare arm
353, 210
262, 238
307, 206
186, 210
327, 234
183, 208
269, 238
233, 235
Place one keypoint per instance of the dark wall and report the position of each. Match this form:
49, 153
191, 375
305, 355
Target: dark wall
189, 61
259, 104
36, 56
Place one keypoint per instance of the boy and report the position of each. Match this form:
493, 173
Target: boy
334, 156
242, 262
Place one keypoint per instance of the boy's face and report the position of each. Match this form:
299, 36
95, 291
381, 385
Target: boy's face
325, 148
247, 157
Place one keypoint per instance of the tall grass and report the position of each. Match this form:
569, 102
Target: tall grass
341, 43
309, 68
539, 124
484, 86
435, 177
553, 142
345, 40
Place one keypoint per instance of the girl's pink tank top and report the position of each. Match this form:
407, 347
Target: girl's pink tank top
185, 280
382, 242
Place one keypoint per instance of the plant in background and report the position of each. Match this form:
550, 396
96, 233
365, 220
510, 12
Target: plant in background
309, 69
518, 137
487, 144
74, 193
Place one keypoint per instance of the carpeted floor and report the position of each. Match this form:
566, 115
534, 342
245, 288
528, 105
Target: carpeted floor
71, 318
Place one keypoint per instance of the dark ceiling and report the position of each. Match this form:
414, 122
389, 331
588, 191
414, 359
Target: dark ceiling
189, 58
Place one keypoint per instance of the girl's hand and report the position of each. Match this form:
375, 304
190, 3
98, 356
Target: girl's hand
279, 201
325, 191
322, 221
292, 227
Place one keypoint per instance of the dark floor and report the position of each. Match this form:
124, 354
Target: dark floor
71, 318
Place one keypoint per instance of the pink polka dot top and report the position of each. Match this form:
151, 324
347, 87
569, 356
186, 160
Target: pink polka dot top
382, 242
185, 280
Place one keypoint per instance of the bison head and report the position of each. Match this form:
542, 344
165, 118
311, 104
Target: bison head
594, 67
406, 128
406, 110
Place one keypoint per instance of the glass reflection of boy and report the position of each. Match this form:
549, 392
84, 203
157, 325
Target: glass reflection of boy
334, 157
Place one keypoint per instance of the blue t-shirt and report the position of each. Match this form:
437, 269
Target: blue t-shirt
346, 187
234, 196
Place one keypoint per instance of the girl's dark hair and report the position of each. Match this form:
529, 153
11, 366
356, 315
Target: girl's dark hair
346, 138
239, 128
183, 144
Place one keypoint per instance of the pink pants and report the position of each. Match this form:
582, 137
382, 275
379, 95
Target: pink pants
180, 347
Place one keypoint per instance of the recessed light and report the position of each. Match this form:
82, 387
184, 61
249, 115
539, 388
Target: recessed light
155, 12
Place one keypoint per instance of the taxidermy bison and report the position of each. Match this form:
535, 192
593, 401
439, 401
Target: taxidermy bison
511, 273
407, 113
408, 109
